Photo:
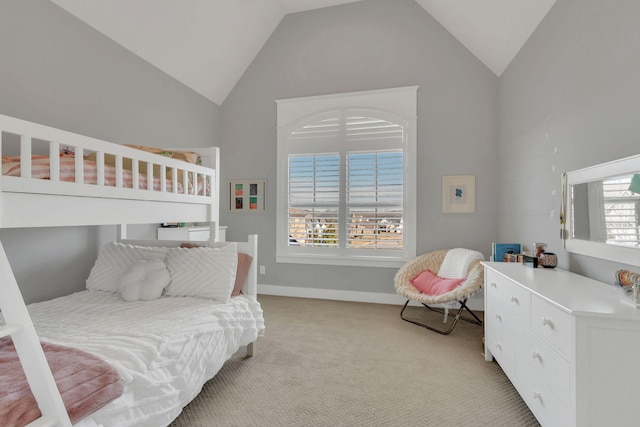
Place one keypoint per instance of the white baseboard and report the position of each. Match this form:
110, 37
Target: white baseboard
475, 303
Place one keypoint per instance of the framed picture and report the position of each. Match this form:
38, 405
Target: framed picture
459, 194
247, 195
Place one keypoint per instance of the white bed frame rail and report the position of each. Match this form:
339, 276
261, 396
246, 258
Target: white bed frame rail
24, 199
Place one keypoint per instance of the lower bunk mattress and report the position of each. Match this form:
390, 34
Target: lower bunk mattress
164, 349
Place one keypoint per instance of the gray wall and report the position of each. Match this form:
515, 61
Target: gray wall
58, 71
570, 99
362, 46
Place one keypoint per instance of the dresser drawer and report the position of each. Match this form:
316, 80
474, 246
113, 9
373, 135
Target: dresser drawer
543, 403
552, 369
501, 349
552, 324
516, 298
500, 336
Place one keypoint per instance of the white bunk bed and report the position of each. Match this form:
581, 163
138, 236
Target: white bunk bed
182, 192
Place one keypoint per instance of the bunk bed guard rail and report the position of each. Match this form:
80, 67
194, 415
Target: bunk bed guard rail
150, 188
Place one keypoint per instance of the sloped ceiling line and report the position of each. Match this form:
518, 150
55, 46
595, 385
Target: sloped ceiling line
208, 44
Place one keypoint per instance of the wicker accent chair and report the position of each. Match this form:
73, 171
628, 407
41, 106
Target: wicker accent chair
433, 261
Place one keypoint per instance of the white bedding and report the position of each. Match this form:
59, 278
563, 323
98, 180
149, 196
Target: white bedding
165, 349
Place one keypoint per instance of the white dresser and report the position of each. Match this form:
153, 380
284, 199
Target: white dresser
567, 343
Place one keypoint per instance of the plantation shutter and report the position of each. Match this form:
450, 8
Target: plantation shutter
370, 187
313, 200
621, 211
374, 184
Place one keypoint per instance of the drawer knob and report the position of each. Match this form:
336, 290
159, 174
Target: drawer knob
538, 396
536, 355
498, 317
547, 322
493, 285
514, 299
499, 347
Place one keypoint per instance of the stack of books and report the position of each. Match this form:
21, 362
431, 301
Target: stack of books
506, 252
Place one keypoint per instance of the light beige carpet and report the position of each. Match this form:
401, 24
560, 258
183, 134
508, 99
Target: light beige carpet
332, 363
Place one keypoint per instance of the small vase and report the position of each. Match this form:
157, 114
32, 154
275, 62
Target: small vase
548, 260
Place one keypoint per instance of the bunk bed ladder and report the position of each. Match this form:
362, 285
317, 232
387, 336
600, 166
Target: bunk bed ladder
25, 339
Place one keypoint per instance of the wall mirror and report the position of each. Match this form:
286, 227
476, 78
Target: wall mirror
602, 209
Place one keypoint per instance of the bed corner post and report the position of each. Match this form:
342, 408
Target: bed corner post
251, 348
121, 232
252, 275
252, 281
214, 232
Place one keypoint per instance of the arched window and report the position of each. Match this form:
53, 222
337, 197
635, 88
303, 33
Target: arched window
346, 179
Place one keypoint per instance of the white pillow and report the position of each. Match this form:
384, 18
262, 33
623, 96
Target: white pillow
457, 261
202, 272
114, 260
145, 280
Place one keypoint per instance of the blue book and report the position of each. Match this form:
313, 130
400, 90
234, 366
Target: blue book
500, 249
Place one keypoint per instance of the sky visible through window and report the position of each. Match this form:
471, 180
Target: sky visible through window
375, 177
372, 177
314, 178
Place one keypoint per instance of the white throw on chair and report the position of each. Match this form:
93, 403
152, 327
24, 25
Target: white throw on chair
441, 277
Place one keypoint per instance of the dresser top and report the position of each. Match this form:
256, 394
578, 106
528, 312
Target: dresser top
569, 291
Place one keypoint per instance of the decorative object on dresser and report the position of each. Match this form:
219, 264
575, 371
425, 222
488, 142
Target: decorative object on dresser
441, 277
548, 260
539, 248
530, 261
566, 342
630, 284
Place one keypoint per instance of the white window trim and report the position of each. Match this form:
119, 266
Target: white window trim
397, 102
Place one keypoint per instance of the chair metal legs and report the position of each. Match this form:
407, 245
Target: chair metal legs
458, 316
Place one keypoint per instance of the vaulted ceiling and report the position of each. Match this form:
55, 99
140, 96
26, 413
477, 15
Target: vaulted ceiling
208, 44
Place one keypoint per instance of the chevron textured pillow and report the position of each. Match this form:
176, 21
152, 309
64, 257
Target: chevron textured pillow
202, 272
114, 261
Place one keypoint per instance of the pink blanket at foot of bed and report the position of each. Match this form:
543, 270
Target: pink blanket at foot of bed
86, 383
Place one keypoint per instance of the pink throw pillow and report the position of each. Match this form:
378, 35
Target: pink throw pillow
430, 284
244, 262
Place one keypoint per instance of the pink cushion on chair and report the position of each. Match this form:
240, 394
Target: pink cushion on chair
430, 284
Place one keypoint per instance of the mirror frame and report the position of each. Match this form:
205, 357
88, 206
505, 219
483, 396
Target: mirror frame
609, 252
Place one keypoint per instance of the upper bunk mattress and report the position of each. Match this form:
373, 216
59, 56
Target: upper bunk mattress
41, 169
164, 349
